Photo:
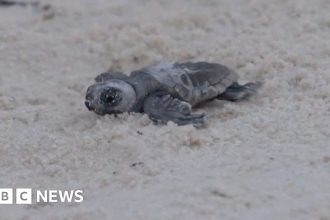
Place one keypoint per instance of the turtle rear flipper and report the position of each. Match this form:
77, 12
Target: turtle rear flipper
237, 92
161, 108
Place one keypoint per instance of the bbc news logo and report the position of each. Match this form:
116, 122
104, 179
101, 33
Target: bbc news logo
29, 196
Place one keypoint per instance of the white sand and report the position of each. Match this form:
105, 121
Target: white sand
268, 158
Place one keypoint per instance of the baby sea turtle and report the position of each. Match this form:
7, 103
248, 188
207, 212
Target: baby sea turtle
166, 91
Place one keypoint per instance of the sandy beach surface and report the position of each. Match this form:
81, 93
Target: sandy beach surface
268, 158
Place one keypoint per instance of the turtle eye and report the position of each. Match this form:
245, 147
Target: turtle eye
110, 97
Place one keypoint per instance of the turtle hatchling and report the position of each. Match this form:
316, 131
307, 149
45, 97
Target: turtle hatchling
167, 91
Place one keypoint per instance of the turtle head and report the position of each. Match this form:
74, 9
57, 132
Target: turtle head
110, 97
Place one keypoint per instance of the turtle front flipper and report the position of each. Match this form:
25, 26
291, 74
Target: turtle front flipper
110, 75
162, 107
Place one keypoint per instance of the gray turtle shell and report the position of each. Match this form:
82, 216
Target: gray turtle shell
192, 82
